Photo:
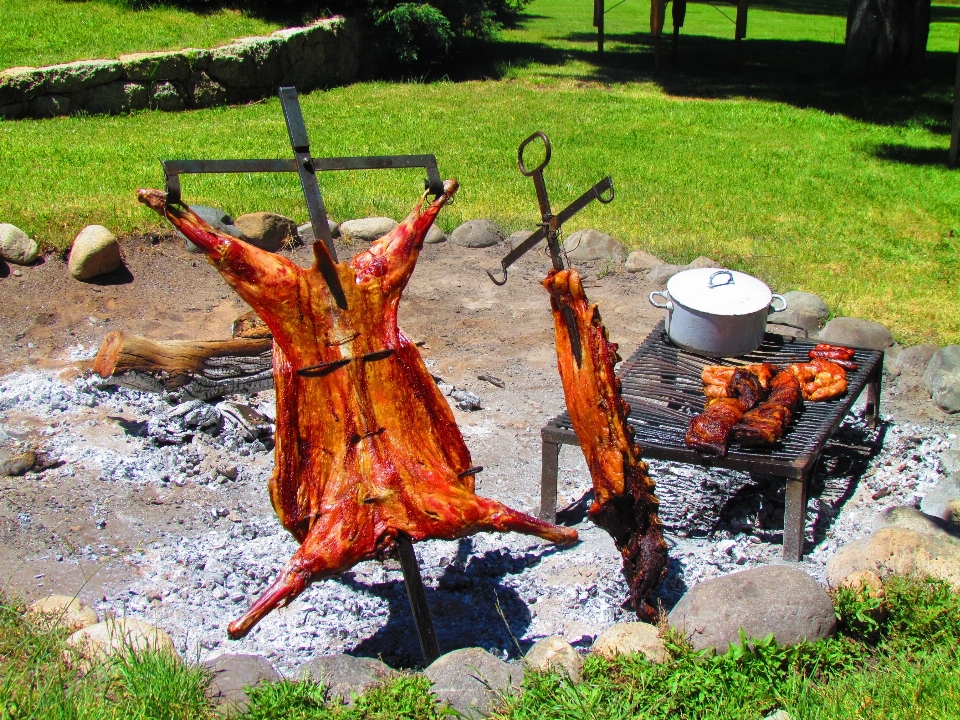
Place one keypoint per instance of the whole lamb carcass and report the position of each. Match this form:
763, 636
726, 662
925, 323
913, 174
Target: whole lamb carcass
366, 445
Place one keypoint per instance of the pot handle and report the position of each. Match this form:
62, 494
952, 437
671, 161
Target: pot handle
666, 306
711, 284
782, 299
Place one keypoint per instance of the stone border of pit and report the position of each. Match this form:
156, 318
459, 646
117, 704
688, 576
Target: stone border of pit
325, 53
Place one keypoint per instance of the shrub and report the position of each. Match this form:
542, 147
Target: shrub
412, 36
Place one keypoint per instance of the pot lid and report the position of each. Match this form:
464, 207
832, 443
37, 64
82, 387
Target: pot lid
719, 292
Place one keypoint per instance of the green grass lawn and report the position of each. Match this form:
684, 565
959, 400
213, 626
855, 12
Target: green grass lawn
47, 32
774, 167
905, 667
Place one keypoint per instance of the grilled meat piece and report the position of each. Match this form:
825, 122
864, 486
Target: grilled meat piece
624, 502
842, 356
710, 430
820, 379
717, 378
366, 446
767, 423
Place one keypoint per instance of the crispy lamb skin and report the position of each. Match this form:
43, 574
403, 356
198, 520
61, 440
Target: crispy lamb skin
366, 445
624, 502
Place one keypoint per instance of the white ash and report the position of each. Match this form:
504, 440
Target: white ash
501, 592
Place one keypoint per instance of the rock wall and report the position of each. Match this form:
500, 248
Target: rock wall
322, 54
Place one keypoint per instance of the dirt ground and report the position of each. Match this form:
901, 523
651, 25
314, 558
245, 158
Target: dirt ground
466, 326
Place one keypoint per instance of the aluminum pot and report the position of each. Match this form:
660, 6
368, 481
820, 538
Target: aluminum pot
722, 313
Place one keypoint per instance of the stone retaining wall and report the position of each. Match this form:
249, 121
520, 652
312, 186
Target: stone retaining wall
322, 54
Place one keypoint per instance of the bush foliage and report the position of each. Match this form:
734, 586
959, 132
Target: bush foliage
412, 35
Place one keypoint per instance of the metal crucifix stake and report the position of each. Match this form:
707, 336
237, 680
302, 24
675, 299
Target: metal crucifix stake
550, 225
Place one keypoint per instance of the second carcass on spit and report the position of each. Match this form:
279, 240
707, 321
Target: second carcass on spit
624, 503
366, 445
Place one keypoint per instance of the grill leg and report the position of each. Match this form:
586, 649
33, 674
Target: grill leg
549, 467
872, 410
795, 518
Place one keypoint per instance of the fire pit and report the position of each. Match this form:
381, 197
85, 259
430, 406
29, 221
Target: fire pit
662, 384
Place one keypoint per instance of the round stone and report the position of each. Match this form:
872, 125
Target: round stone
554, 654
631, 637
16, 246
95, 252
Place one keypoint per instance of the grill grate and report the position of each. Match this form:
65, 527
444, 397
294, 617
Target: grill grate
662, 385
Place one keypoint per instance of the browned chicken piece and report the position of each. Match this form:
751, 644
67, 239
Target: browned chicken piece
717, 378
768, 422
367, 447
820, 379
624, 502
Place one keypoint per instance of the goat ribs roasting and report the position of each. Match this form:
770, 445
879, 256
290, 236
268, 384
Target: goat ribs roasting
624, 503
366, 445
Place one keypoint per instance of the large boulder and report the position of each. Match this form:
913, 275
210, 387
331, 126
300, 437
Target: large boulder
590, 244
62, 610
266, 230
19, 84
16, 246
660, 274
215, 217
914, 360
640, 260
366, 229
117, 97
913, 519
631, 637
48, 106
344, 676
943, 501
801, 301
777, 599
100, 642
856, 332
554, 654
81, 75
519, 237
435, 235
941, 378
95, 252
230, 678
165, 96
204, 91
472, 681
478, 234
307, 237
898, 551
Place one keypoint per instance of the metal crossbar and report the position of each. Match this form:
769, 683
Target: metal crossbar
662, 385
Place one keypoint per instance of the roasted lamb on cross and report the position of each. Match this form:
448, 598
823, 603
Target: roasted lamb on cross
624, 503
366, 445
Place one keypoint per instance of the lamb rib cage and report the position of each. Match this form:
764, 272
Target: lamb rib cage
366, 445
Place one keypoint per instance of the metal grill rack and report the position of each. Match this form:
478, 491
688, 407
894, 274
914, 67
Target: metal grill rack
662, 384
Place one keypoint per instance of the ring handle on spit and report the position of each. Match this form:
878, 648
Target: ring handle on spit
550, 227
550, 224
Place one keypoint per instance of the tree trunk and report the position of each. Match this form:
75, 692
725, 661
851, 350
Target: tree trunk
202, 370
886, 37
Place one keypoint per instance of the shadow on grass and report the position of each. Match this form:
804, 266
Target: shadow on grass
805, 74
911, 155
